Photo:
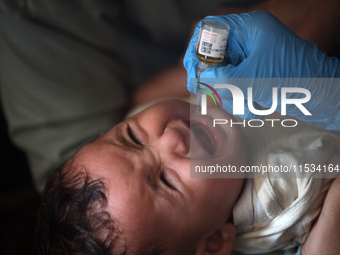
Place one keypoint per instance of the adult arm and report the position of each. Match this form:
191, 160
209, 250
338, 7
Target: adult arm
325, 235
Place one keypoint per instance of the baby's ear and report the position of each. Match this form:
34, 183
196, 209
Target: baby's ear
219, 243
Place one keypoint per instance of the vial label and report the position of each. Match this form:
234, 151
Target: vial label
213, 44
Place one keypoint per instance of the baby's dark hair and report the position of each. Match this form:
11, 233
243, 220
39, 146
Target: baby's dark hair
72, 218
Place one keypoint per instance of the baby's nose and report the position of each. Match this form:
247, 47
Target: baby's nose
176, 137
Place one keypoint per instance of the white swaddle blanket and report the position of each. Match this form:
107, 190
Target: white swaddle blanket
277, 210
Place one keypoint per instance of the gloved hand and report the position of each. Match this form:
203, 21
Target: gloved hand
263, 53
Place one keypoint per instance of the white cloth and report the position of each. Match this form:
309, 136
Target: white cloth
277, 211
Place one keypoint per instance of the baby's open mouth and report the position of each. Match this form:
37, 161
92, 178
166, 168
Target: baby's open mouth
203, 137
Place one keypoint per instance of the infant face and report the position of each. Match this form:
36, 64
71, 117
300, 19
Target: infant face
145, 162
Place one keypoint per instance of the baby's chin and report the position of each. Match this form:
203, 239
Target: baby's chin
178, 105
215, 141
215, 112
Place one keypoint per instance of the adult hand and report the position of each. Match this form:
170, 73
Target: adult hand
264, 53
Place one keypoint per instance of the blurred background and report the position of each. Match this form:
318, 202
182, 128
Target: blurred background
18, 199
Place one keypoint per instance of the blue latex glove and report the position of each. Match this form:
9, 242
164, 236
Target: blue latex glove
260, 46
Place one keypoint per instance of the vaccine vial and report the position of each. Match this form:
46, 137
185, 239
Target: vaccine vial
211, 47
212, 41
